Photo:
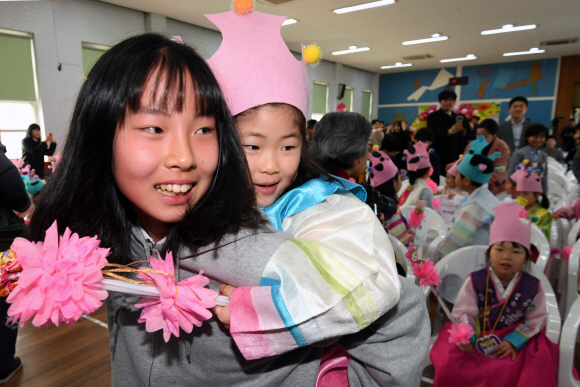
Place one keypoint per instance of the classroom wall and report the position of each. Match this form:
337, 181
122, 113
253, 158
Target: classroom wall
488, 92
60, 27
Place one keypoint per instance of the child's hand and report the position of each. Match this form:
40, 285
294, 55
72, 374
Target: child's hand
223, 312
555, 216
504, 349
465, 347
451, 195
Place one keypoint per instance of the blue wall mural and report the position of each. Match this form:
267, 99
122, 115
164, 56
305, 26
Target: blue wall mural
490, 83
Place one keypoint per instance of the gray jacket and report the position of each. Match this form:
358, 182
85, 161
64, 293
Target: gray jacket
506, 133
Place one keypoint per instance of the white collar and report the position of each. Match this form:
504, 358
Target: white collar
503, 293
521, 122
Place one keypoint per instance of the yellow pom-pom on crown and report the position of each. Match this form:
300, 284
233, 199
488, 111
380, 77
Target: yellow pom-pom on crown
375, 147
242, 7
312, 54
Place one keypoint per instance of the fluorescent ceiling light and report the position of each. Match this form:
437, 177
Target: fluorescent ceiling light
534, 50
350, 50
509, 28
398, 64
433, 39
468, 57
364, 6
289, 21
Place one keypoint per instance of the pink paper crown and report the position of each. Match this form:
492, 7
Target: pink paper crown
419, 159
453, 170
253, 65
528, 178
508, 227
382, 168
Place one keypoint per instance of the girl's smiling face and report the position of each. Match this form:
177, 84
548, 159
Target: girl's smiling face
507, 258
164, 160
273, 145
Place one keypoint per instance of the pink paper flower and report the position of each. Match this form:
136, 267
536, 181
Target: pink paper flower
431, 184
426, 272
416, 218
180, 305
58, 282
436, 204
460, 333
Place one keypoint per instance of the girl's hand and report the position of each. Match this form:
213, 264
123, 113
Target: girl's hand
504, 349
451, 194
223, 312
465, 347
555, 216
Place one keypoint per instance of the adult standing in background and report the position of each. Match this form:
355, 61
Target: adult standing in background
567, 134
34, 150
451, 136
400, 129
513, 132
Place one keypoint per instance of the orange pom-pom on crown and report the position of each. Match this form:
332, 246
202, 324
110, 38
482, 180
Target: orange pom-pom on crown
242, 7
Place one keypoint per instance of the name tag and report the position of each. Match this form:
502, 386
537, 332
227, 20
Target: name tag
485, 345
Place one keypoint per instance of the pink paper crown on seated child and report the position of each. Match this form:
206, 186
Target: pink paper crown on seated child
453, 170
382, 168
253, 65
418, 158
528, 178
508, 227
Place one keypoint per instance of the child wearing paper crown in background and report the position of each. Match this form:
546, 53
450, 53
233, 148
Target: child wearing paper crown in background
529, 180
471, 225
418, 171
506, 307
169, 175
298, 303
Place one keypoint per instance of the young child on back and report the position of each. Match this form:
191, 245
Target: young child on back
153, 164
506, 307
418, 171
535, 136
348, 280
471, 225
528, 178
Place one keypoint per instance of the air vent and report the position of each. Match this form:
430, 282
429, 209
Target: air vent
558, 42
274, 2
418, 57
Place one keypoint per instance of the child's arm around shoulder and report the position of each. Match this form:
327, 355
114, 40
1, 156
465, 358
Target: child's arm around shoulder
335, 277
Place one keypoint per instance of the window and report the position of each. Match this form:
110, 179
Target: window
17, 89
91, 54
367, 104
319, 100
347, 99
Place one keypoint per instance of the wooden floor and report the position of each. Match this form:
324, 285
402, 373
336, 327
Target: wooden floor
62, 356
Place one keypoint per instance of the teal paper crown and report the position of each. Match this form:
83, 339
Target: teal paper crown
477, 166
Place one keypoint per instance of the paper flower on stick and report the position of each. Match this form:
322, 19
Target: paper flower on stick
59, 279
460, 333
180, 305
417, 215
425, 270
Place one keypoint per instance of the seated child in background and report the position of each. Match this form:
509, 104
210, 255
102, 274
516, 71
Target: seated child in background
418, 171
510, 189
451, 188
528, 180
340, 275
535, 136
427, 136
551, 151
385, 177
471, 225
507, 305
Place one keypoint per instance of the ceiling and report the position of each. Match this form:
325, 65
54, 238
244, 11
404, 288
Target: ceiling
384, 28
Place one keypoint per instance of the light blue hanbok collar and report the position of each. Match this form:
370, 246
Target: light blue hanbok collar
309, 194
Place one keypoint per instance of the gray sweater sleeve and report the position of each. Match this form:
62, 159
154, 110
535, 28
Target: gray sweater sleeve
392, 350
427, 195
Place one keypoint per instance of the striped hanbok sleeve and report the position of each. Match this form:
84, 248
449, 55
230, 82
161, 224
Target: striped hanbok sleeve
467, 223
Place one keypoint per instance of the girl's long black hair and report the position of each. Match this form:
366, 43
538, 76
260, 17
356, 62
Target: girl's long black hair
388, 188
83, 195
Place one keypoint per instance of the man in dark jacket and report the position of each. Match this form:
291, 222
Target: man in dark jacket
34, 150
513, 132
13, 197
451, 137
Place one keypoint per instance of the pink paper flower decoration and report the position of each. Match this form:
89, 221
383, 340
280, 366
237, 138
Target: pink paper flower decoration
416, 218
180, 305
566, 253
58, 282
436, 204
426, 272
431, 184
460, 333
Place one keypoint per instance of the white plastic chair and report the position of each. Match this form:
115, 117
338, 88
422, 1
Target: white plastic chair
556, 193
539, 240
573, 234
572, 196
571, 293
459, 262
400, 251
568, 347
437, 230
559, 179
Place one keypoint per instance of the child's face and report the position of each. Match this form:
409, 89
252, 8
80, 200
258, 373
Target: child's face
506, 259
530, 198
164, 161
397, 183
488, 136
450, 181
461, 183
537, 141
510, 189
273, 146
551, 143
